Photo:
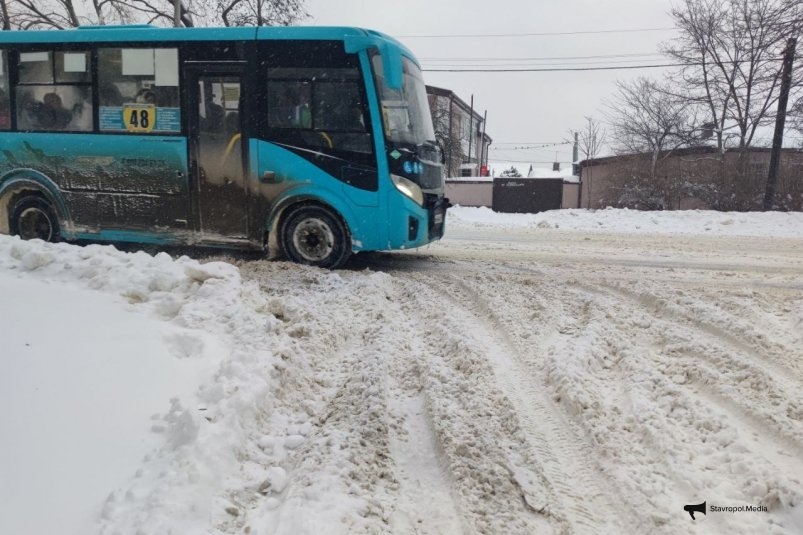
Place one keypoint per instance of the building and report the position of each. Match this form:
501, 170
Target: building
461, 132
691, 178
485, 191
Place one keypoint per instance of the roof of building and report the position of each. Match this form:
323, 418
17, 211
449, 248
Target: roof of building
448, 93
529, 170
686, 151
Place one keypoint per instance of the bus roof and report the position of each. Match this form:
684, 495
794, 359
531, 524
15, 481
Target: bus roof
136, 33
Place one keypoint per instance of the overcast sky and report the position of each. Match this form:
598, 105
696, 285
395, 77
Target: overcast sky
524, 108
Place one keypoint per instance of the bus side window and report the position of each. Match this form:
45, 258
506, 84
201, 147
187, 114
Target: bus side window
54, 108
232, 123
54, 91
131, 76
213, 121
340, 107
289, 104
110, 95
5, 111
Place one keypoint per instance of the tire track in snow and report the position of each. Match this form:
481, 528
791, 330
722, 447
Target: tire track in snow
765, 441
478, 436
773, 356
764, 385
638, 406
710, 387
577, 485
426, 502
724, 435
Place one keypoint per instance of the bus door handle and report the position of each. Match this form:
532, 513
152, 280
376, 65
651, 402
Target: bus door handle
269, 177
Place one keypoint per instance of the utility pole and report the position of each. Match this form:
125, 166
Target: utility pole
470, 132
780, 120
177, 13
451, 139
484, 153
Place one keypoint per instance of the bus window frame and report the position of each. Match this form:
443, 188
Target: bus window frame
319, 55
13, 62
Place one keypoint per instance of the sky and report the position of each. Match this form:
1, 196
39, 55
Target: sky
524, 109
156, 394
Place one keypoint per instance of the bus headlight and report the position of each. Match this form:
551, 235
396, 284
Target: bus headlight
409, 188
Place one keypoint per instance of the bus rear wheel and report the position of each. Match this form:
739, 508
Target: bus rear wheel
34, 218
315, 236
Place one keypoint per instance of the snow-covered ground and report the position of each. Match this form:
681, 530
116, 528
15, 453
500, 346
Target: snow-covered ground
563, 372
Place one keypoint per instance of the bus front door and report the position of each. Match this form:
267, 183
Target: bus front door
217, 151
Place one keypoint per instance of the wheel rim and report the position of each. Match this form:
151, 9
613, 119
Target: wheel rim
313, 239
35, 223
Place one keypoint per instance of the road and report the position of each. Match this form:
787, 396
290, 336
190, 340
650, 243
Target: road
546, 381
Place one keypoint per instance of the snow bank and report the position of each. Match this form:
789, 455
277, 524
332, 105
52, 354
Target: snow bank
704, 222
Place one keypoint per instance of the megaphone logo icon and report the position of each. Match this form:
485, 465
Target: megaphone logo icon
699, 508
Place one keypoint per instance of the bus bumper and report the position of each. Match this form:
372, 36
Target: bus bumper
422, 225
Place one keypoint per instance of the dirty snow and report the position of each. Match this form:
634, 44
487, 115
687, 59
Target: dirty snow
563, 372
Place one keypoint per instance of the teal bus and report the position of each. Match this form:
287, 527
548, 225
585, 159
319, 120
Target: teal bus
310, 142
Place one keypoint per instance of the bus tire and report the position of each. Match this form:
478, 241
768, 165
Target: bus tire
314, 235
34, 218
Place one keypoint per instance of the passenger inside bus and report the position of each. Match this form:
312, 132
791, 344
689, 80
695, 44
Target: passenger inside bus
232, 123
51, 114
110, 95
215, 115
302, 115
146, 96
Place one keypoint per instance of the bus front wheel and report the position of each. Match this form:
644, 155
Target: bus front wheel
33, 218
315, 236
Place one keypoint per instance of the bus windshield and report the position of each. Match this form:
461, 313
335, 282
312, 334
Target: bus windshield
406, 110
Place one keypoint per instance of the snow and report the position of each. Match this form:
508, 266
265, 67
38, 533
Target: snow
567, 371
532, 170
704, 222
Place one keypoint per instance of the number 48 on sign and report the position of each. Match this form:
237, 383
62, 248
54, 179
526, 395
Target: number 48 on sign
139, 117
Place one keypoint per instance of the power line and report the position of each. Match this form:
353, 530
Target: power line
568, 63
540, 146
547, 58
497, 162
565, 69
529, 142
541, 154
605, 66
539, 34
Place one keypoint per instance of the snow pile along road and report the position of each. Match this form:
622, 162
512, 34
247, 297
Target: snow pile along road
513, 378
703, 222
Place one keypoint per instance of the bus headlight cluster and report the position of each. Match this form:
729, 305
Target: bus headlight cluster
409, 188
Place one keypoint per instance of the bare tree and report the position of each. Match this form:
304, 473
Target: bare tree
110, 11
730, 51
590, 140
647, 117
260, 12
447, 135
53, 14
163, 12
59, 14
5, 21
795, 118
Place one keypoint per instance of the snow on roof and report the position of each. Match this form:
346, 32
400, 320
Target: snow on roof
531, 170
470, 179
